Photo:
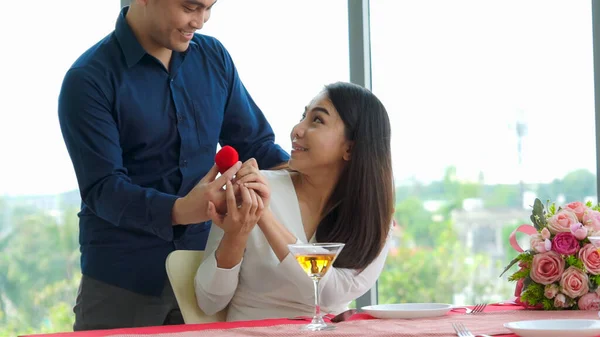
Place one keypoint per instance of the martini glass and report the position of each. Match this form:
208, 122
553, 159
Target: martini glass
595, 240
316, 259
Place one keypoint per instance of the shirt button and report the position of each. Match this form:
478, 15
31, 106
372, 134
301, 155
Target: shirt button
179, 117
184, 163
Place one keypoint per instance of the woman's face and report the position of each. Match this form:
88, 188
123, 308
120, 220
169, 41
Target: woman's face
318, 140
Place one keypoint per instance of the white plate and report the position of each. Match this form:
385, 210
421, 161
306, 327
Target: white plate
555, 328
407, 310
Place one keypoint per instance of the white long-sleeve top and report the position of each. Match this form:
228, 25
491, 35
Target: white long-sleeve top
261, 286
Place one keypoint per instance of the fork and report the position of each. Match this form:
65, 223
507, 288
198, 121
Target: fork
476, 309
462, 331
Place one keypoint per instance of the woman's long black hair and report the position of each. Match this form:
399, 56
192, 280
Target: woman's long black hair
359, 211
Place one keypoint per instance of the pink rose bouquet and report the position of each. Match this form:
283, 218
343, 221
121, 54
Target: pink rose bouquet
561, 269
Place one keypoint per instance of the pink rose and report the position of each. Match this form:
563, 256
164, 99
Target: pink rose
547, 267
537, 243
574, 282
589, 301
562, 221
578, 208
560, 301
591, 258
591, 219
565, 243
579, 231
545, 233
543, 246
551, 290
535, 239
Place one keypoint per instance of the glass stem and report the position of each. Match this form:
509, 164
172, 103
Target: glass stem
317, 306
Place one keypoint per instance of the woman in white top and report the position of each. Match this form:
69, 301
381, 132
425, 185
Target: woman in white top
339, 189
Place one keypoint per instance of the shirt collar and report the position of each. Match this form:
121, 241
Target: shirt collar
130, 46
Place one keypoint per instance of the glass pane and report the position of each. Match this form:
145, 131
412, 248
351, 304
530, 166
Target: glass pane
492, 105
39, 252
282, 60
284, 53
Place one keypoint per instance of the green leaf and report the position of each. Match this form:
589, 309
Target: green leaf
510, 264
571, 260
548, 304
526, 256
551, 209
519, 274
538, 216
595, 278
534, 294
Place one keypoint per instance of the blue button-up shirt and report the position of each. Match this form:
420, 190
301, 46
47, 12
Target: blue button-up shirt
140, 136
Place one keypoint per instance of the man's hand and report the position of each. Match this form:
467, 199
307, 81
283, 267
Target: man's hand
238, 220
193, 207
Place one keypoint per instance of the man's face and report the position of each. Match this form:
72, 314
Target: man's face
172, 23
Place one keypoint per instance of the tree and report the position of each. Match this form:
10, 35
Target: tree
579, 184
429, 264
42, 270
414, 222
502, 196
574, 186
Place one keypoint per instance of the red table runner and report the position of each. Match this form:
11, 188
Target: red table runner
489, 322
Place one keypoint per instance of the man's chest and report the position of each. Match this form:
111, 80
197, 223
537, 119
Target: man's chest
159, 108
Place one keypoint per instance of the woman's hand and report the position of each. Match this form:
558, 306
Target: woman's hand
238, 220
249, 176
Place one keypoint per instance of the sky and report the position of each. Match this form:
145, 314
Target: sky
455, 77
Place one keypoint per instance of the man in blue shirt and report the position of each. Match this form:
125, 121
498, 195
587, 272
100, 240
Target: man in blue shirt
141, 113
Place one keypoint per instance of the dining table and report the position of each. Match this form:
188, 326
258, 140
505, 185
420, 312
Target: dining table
491, 322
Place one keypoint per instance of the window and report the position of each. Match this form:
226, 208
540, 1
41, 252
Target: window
39, 252
480, 95
487, 101
284, 53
